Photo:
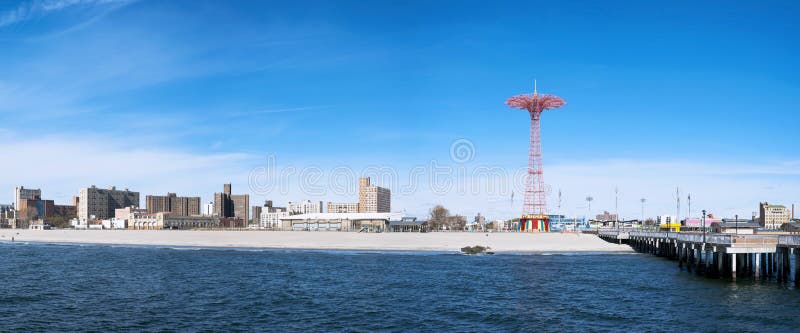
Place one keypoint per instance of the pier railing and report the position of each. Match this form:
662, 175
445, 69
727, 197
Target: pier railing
789, 240
732, 240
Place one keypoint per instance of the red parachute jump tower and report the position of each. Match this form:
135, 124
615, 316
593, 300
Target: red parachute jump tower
534, 207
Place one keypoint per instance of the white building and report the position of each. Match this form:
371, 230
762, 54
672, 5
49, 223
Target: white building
208, 209
361, 222
114, 223
304, 207
272, 220
666, 220
771, 217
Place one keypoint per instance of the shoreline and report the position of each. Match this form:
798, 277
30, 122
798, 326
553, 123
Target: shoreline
504, 242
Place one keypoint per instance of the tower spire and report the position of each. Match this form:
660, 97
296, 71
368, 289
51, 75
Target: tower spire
534, 87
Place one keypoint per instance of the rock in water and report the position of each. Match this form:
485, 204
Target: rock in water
477, 249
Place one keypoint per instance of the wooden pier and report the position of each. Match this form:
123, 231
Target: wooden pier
720, 255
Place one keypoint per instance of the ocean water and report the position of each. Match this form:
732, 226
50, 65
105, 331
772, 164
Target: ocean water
118, 288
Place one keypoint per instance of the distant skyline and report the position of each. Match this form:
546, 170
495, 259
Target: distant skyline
184, 96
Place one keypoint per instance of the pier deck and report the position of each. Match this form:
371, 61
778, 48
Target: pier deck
719, 255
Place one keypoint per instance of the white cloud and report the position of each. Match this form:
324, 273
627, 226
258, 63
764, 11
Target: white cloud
63, 165
33, 9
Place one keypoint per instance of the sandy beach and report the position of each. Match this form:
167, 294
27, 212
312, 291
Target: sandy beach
441, 241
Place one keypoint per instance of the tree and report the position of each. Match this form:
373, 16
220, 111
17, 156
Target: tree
440, 216
457, 222
59, 221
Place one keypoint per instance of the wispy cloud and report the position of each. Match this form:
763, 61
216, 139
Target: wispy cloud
269, 111
61, 165
35, 9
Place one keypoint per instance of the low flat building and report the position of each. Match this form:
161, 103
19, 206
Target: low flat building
741, 227
144, 221
114, 223
792, 227
408, 224
178, 222
232, 223
134, 218
697, 223
366, 222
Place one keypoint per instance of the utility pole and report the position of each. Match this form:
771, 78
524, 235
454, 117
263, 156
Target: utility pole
689, 215
678, 202
616, 207
643, 200
559, 208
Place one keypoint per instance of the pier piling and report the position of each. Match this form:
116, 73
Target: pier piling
719, 255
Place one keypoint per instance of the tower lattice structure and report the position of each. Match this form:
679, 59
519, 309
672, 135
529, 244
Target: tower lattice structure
535, 201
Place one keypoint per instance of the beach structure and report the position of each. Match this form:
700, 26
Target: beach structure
736, 227
534, 208
408, 224
361, 222
181, 222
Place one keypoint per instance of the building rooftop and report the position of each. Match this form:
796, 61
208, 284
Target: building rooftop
740, 224
406, 222
346, 216
769, 205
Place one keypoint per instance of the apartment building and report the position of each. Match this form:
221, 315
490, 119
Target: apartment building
773, 216
227, 204
373, 199
304, 207
171, 203
101, 203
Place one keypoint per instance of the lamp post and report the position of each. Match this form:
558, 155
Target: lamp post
589, 205
704, 226
643, 201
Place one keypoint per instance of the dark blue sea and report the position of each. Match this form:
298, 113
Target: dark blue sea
118, 288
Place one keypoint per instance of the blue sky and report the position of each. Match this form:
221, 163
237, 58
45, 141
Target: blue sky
183, 96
